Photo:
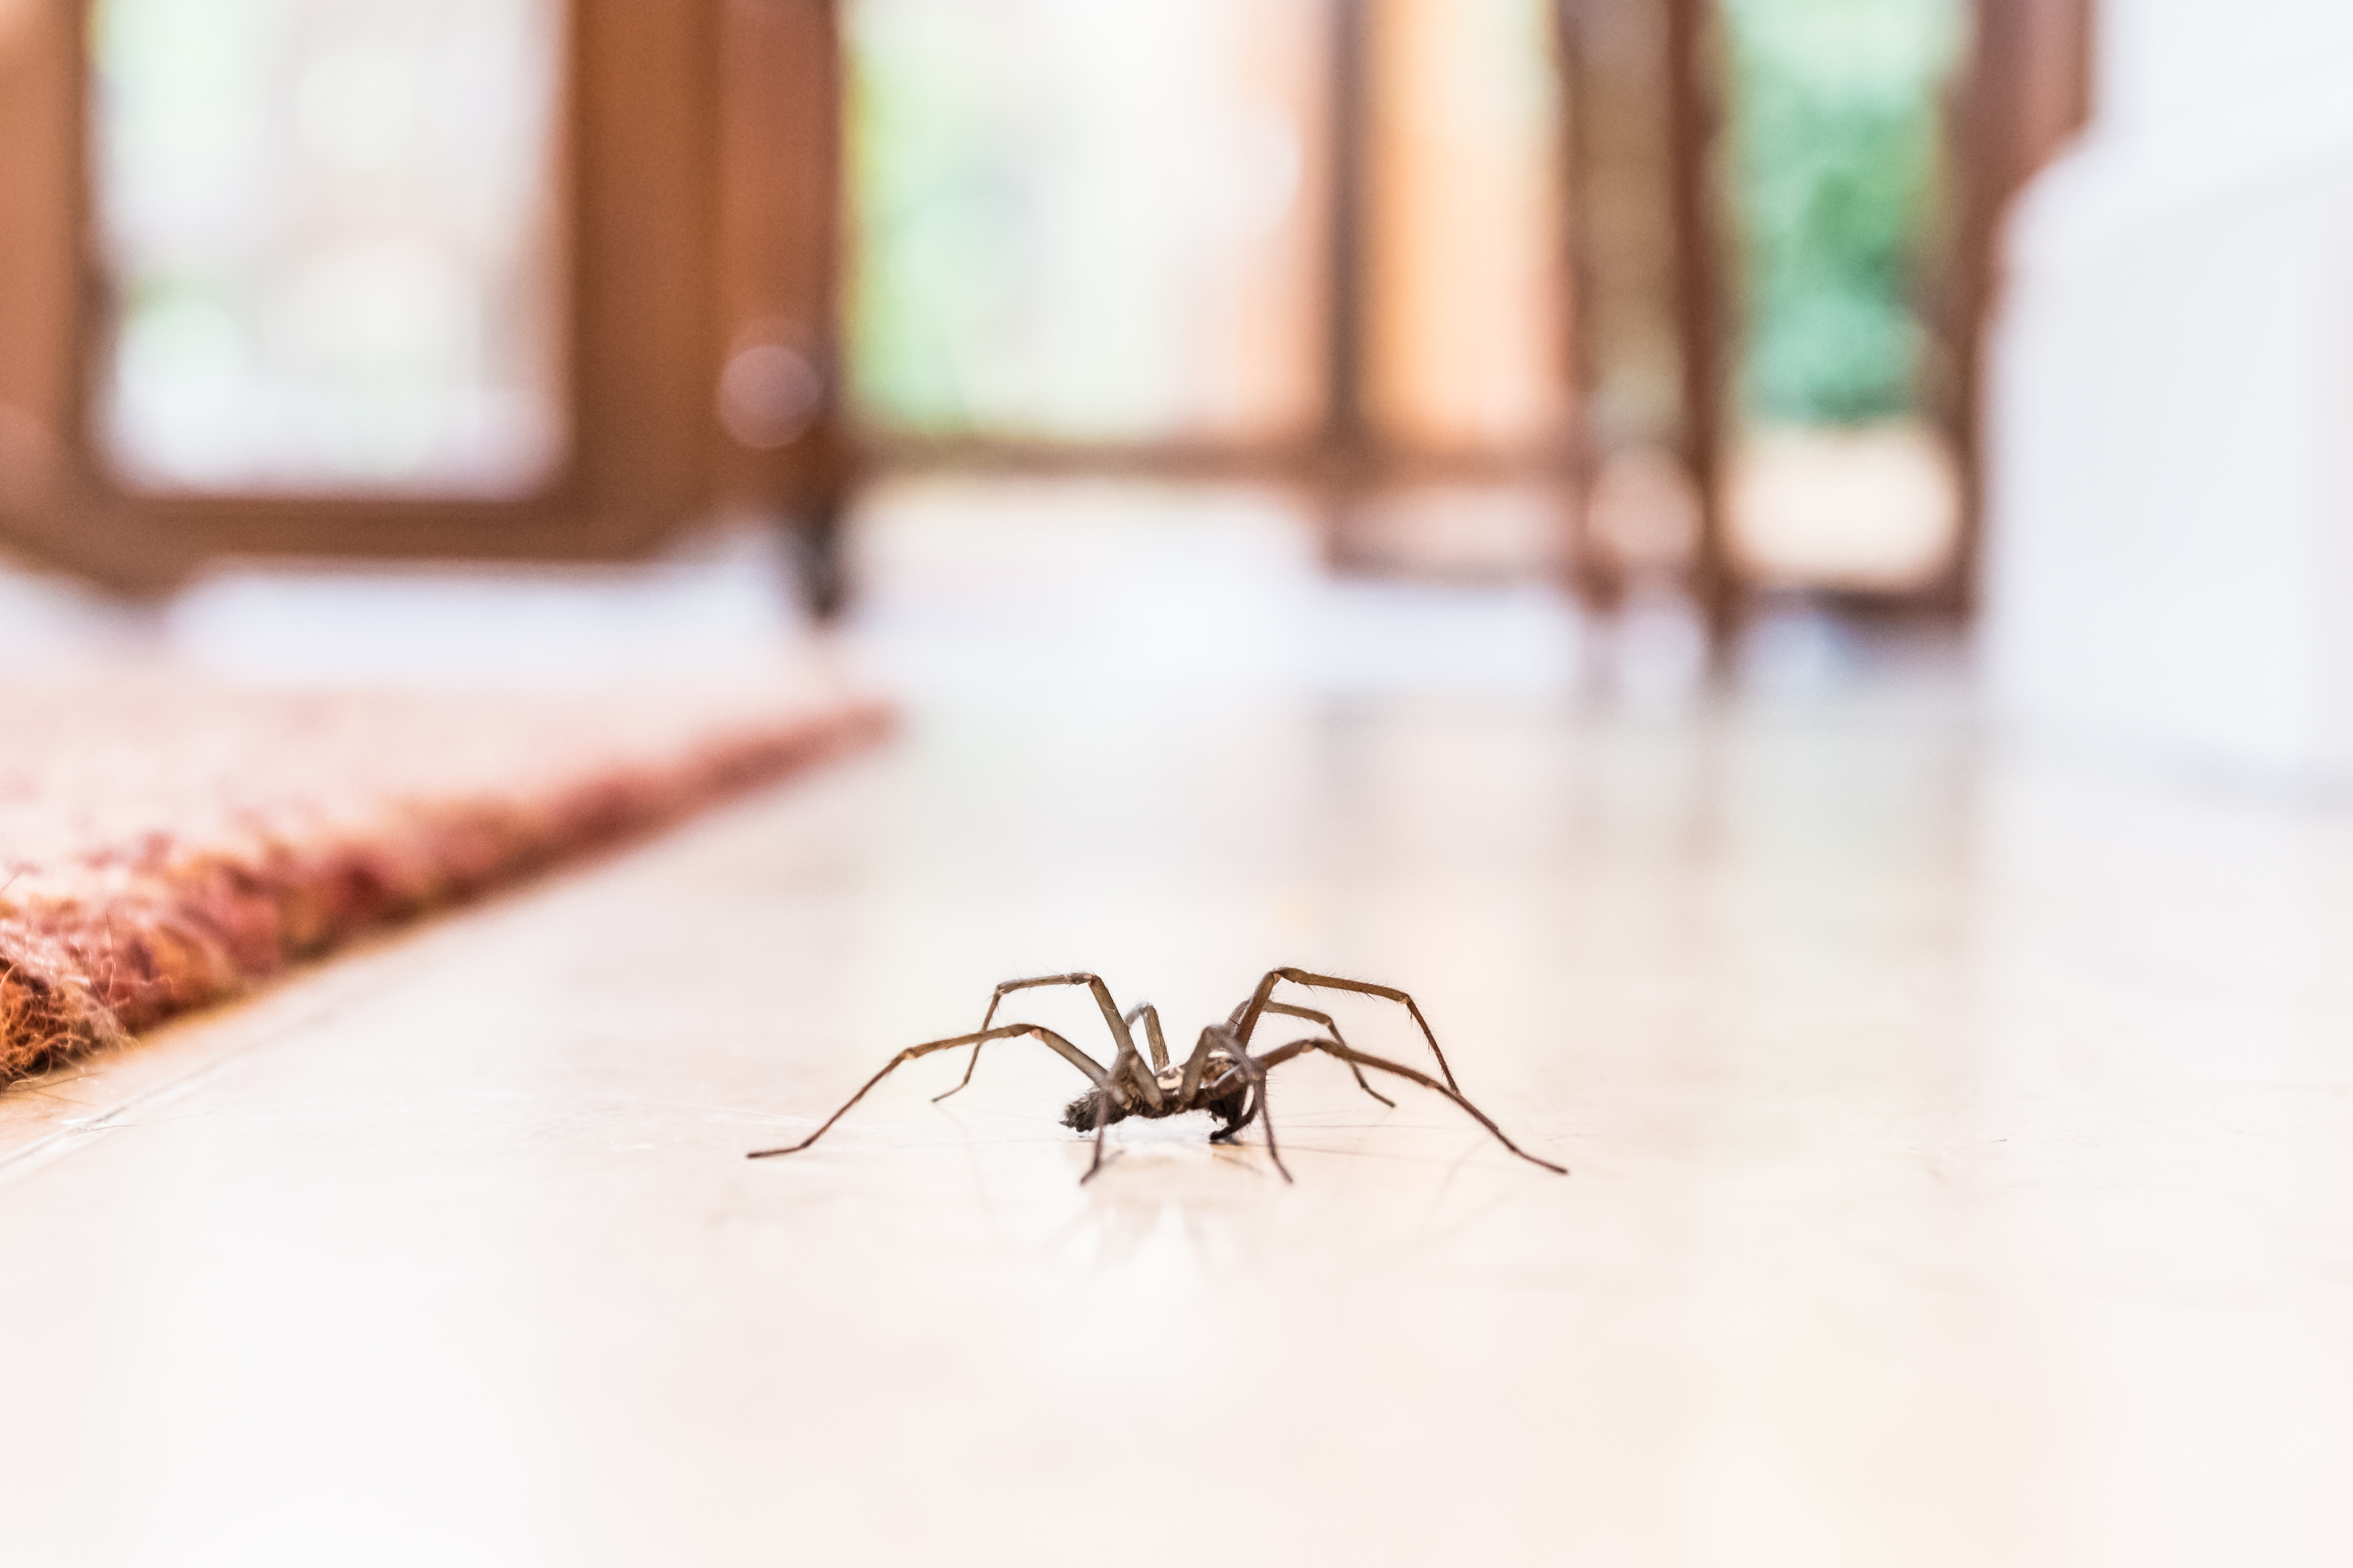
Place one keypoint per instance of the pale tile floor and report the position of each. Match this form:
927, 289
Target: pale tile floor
1963, 1146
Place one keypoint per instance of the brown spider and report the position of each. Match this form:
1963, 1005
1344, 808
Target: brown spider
1218, 1078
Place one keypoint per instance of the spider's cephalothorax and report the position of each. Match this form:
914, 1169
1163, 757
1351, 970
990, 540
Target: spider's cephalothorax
1223, 1091
1221, 1077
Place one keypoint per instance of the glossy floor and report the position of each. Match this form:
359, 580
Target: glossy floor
1963, 1144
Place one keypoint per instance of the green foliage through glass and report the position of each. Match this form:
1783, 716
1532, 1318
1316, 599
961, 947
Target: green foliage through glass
1835, 169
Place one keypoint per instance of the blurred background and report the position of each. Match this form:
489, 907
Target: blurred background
1654, 323
1645, 347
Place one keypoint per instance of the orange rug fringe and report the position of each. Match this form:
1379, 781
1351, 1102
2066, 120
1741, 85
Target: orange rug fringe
164, 844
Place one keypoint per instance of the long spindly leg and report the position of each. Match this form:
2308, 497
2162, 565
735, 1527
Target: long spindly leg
1218, 1040
1232, 1061
1060, 1046
1201, 1089
1111, 1100
1102, 1124
1119, 1033
1313, 1017
1152, 1034
1258, 1003
1282, 1054
1256, 1074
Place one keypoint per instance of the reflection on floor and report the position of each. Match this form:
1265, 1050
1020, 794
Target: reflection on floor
1961, 1143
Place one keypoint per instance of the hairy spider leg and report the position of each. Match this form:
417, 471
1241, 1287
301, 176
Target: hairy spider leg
1145, 1080
1060, 1046
1258, 1003
1282, 1054
1111, 1098
1220, 1037
1119, 1033
1313, 1017
1126, 1067
1109, 1091
1159, 1042
1258, 1108
1217, 1037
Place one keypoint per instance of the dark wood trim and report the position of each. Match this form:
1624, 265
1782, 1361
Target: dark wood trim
1593, 574
1693, 80
2025, 90
40, 281
781, 226
1303, 461
782, 255
1306, 463
1339, 469
643, 360
1348, 428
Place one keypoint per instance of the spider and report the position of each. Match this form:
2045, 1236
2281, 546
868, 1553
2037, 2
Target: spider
1221, 1076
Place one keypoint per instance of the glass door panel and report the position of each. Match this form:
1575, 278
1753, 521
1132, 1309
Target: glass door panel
331, 234
1088, 220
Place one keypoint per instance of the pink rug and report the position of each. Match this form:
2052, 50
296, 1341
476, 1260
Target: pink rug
165, 844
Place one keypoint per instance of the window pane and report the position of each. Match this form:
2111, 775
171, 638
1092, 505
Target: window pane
332, 233
1841, 478
1087, 219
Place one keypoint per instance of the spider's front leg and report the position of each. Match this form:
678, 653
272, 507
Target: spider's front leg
1216, 1041
1060, 1046
1122, 1033
1247, 1015
1108, 1102
1237, 1107
1256, 1076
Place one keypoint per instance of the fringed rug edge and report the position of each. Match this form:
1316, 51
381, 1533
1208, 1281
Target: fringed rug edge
78, 979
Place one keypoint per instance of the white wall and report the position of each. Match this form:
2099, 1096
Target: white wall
2170, 569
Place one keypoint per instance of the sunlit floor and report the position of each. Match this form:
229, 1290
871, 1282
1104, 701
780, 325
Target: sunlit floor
1962, 1138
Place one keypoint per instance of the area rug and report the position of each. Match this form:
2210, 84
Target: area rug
166, 843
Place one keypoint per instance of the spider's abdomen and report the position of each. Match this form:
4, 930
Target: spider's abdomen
1083, 1114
